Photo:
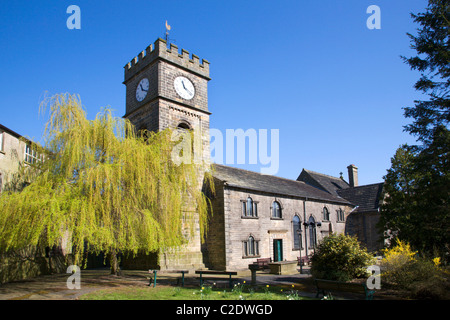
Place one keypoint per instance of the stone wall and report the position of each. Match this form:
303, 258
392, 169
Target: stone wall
12, 153
213, 248
363, 225
229, 229
31, 262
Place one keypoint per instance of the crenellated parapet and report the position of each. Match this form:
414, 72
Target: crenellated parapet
159, 50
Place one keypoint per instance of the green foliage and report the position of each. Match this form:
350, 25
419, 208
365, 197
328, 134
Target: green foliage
404, 269
416, 207
340, 257
432, 44
104, 187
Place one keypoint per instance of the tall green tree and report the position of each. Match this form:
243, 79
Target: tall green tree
416, 208
432, 44
102, 186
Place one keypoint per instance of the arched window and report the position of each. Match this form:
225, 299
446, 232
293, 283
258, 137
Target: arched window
297, 233
326, 214
251, 247
340, 215
183, 125
249, 208
276, 210
312, 232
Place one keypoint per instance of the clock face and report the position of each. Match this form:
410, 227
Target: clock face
142, 89
184, 88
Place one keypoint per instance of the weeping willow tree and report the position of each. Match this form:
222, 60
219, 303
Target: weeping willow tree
104, 186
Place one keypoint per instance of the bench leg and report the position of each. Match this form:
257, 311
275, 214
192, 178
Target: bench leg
182, 279
154, 279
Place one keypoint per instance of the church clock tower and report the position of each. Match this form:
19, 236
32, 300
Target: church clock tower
168, 89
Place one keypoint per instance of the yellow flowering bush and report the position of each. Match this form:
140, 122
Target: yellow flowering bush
398, 256
403, 269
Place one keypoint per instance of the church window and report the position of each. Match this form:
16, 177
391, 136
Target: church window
312, 232
251, 247
250, 208
276, 210
326, 214
340, 215
183, 125
297, 233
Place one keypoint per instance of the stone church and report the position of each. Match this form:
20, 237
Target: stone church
254, 215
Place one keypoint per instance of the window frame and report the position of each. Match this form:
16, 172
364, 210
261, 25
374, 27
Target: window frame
312, 229
250, 247
297, 245
245, 212
325, 214
340, 215
31, 156
2, 140
272, 211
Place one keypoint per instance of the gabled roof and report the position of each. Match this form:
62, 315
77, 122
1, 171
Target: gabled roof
245, 179
367, 197
322, 181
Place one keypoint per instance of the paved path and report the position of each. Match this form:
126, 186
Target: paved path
54, 287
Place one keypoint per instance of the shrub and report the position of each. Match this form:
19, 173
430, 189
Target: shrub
340, 257
397, 263
422, 278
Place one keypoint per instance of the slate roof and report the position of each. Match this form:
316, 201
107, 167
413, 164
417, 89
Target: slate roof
367, 197
245, 179
325, 182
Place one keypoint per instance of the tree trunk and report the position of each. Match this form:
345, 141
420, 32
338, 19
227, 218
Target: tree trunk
114, 262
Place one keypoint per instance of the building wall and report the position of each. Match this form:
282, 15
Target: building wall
213, 247
229, 229
12, 153
363, 225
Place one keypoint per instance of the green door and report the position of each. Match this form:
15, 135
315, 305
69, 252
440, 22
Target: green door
277, 250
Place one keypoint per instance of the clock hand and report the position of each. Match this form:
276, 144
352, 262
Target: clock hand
143, 88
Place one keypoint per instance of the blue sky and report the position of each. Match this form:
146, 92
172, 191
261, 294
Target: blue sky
312, 69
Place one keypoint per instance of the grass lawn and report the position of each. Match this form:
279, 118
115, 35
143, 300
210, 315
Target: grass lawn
239, 292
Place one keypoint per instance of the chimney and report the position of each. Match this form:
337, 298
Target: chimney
352, 175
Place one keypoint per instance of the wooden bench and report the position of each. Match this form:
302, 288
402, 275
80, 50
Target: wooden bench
302, 261
212, 272
262, 263
326, 286
155, 272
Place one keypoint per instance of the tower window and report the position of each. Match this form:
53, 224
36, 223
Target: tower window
183, 125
